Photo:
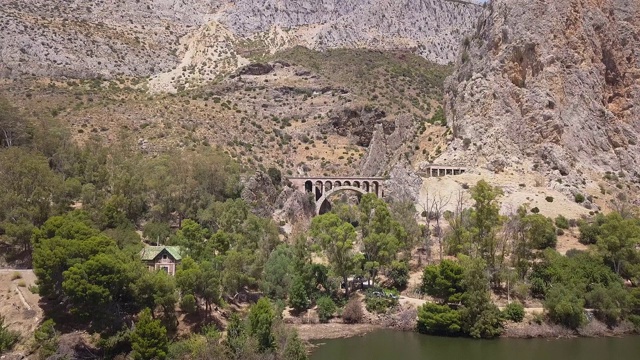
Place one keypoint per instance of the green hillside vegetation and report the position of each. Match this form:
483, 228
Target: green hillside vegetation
392, 79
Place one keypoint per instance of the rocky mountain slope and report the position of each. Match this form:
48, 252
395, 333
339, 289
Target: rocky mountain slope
550, 86
303, 111
189, 41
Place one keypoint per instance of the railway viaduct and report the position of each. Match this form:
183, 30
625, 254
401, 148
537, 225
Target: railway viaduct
324, 187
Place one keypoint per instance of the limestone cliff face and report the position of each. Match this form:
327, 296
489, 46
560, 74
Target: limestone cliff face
433, 27
549, 84
112, 38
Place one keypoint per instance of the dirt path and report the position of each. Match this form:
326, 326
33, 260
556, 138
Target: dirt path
409, 301
414, 302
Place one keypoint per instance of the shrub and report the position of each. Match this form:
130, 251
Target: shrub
565, 306
562, 222
611, 303
549, 199
15, 276
46, 337
326, 308
434, 319
298, 297
352, 313
538, 318
535, 210
579, 198
588, 233
399, 274
149, 338
188, 304
514, 312
116, 344
275, 175
443, 281
379, 304
7, 337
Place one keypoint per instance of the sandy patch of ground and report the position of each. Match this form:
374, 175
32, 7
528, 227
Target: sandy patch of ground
18, 304
409, 302
518, 189
569, 242
332, 330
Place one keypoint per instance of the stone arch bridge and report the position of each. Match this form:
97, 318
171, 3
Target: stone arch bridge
324, 187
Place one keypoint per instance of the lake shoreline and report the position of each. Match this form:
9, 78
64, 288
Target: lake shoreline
595, 329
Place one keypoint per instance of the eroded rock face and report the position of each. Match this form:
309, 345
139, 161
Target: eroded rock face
386, 148
84, 39
295, 205
260, 193
433, 27
359, 123
256, 69
110, 38
555, 82
403, 184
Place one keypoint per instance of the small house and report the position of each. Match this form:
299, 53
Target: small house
165, 258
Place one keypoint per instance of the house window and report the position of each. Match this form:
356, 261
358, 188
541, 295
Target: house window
164, 257
165, 269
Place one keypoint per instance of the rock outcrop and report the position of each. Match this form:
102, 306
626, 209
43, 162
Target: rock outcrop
386, 148
260, 193
403, 184
549, 85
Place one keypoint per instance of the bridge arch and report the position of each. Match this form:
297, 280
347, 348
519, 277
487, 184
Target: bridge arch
320, 202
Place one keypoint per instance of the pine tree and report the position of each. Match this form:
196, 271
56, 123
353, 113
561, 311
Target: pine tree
149, 339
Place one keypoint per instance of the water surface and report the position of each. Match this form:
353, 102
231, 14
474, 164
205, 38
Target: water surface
395, 345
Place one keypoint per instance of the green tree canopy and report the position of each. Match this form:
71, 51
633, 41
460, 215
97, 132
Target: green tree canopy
278, 273
149, 338
480, 316
336, 238
444, 281
434, 319
617, 241
96, 285
261, 318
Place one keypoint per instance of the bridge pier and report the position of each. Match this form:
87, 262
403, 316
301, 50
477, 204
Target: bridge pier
324, 187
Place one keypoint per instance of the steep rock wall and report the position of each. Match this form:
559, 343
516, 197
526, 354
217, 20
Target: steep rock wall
554, 85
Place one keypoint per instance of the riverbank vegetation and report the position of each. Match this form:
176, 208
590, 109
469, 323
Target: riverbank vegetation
514, 255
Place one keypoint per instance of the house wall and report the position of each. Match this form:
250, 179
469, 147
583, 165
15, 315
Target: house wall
161, 263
